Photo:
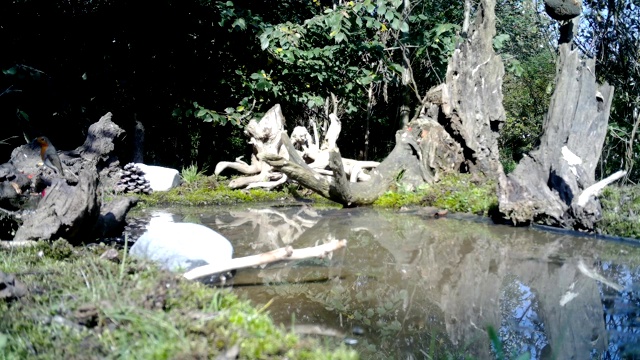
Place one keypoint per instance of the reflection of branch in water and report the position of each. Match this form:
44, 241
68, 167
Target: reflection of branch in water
235, 223
595, 276
275, 228
284, 282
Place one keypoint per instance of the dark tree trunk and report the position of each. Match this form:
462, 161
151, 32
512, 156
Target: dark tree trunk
547, 184
138, 143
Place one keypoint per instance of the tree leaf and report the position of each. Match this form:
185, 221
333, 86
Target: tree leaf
390, 14
395, 24
240, 23
404, 27
10, 71
264, 42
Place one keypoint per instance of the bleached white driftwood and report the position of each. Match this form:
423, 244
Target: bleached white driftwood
286, 253
595, 189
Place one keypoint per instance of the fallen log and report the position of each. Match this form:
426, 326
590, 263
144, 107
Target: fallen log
283, 254
402, 164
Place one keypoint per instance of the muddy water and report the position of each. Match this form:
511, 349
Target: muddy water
409, 286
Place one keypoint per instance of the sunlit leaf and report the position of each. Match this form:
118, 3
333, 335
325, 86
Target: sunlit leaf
404, 27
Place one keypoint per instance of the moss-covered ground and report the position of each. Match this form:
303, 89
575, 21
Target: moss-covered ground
454, 192
208, 191
81, 306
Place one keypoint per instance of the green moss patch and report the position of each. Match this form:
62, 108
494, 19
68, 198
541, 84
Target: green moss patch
80, 306
211, 192
454, 192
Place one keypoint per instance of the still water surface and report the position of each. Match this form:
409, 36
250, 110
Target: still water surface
409, 286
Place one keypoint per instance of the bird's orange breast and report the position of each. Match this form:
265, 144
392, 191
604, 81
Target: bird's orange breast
43, 150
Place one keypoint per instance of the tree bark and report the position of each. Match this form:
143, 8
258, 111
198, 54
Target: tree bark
546, 184
472, 95
402, 164
70, 207
66, 211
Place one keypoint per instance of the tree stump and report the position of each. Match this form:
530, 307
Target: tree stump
66, 211
472, 95
546, 184
70, 207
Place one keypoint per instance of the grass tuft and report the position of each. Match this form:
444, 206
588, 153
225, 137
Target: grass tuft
191, 175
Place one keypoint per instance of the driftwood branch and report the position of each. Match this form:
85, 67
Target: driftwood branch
595, 189
286, 253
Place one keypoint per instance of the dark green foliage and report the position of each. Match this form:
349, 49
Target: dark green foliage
523, 41
195, 71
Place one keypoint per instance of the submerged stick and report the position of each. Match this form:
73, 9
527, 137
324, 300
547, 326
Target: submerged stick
286, 253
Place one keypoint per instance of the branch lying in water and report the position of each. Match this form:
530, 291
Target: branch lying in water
286, 253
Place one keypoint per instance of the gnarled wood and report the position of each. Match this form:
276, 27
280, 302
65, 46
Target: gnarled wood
265, 138
70, 208
403, 160
546, 184
472, 95
66, 211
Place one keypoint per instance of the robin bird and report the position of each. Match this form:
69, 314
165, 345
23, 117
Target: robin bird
49, 155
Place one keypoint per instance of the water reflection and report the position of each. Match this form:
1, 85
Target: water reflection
426, 288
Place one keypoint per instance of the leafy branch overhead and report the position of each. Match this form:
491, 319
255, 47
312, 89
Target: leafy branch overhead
341, 49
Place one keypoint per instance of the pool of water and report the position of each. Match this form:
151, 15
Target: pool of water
409, 286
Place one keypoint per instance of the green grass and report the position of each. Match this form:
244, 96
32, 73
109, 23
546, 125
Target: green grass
620, 211
454, 192
191, 175
81, 307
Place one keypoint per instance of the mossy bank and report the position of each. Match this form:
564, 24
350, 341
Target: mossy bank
76, 304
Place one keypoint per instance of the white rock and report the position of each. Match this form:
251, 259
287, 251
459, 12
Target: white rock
160, 178
181, 246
